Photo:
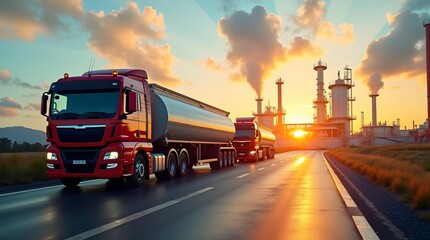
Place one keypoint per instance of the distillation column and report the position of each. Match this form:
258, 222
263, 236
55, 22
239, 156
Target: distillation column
320, 103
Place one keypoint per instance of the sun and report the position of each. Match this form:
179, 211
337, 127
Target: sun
299, 133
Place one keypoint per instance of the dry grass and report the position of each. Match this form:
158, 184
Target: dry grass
404, 169
16, 168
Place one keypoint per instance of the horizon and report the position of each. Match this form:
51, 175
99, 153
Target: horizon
234, 52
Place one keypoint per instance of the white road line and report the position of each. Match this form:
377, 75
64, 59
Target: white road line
45, 188
260, 169
282, 160
243, 175
363, 226
122, 221
273, 164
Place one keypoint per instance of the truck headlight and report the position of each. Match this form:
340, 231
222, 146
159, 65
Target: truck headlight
111, 156
252, 153
51, 156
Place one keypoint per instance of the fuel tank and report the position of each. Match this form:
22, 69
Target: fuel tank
267, 137
179, 118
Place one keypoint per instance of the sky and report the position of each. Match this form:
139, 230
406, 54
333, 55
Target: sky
224, 53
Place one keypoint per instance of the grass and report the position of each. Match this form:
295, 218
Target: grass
18, 168
404, 169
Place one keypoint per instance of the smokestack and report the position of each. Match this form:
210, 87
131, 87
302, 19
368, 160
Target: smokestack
374, 118
321, 101
426, 24
279, 82
259, 105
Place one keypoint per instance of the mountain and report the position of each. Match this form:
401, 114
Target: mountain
23, 134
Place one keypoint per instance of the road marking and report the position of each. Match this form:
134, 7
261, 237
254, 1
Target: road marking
260, 169
363, 226
46, 188
282, 161
243, 175
122, 221
273, 164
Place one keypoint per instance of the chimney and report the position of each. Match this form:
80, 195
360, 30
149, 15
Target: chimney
259, 105
374, 113
426, 24
279, 82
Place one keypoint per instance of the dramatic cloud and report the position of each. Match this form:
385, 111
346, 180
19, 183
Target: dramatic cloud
9, 107
375, 83
32, 106
401, 51
254, 48
25, 19
311, 16
125, 38
6, 79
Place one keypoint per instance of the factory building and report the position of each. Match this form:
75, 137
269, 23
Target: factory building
335, 128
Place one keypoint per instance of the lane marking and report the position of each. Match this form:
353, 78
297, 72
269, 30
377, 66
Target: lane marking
243, 175
363, 226
124, 220
273, 164
50, 187
260, 169
282, 161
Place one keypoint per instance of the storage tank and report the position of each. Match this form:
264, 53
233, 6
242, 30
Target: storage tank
267, 137
179, 118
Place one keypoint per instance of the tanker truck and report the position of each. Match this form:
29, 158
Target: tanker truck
253, 142
113, 124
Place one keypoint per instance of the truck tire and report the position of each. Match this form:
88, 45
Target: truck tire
70, 182
172, 164
220, 159
182, 163
225, 159
233, 158
140, 172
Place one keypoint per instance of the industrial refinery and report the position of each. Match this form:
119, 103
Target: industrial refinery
334, 119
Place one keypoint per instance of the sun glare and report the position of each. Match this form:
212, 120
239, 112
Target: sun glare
299, 133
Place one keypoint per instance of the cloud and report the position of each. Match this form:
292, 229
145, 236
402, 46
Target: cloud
401, 51
300, 47
32, 106
25, 19
213, 65
311, 16
253, 43
125, 38
5, 75
9, 107
7, 79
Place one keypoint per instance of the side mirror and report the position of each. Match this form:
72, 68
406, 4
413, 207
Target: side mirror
44, 104
131, 106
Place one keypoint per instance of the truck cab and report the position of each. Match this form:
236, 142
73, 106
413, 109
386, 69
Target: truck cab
252, 142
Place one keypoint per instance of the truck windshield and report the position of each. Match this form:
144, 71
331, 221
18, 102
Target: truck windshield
83, 105
244, 133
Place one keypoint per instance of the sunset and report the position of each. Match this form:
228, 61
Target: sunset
215, 119
218, 47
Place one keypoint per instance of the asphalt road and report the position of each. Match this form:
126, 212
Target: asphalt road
289, 197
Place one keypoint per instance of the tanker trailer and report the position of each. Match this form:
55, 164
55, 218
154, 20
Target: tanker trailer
186, 132
253, 142
113, 124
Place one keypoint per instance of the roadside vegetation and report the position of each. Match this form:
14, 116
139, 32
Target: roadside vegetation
403, 169
18, 168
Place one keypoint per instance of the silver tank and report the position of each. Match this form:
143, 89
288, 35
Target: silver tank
267, 137
178, 118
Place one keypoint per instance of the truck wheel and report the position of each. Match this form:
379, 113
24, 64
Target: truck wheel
70, 182
183, 163
172, 164
220, 160
233, 158
138, 178
225, 158
230, 159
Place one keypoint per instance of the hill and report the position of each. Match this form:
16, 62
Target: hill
23, 134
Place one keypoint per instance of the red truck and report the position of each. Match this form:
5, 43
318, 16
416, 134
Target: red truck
113, 124
253, 142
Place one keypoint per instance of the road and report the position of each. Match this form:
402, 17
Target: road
290, 197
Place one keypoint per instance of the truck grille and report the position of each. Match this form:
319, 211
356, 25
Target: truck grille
90, 133
90, 156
